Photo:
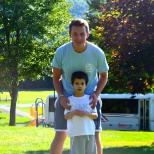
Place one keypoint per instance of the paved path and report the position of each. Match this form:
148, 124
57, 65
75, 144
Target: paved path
6, 108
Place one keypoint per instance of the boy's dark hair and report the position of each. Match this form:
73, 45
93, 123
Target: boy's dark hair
79, 75
78, 22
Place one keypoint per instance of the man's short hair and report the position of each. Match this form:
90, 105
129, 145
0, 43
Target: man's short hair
78, 22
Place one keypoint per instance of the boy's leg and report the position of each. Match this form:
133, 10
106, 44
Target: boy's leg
60, 126
84, 144
90, 145
77, 145
98, 128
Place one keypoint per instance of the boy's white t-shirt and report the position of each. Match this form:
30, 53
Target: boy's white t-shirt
80, 125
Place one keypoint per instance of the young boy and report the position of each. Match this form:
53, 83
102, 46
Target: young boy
80, 124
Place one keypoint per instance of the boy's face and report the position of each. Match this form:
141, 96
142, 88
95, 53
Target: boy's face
79, 86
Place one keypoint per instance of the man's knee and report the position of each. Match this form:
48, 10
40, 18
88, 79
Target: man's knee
61, 135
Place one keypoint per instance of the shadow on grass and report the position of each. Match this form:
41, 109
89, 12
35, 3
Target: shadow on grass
130, 150
37, 152
112, 150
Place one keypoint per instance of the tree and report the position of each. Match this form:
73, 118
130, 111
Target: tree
30, 31
125, 29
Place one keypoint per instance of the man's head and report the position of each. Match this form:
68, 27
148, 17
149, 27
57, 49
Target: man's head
80, 23
79, 32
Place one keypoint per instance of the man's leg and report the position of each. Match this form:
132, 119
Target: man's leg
60, 126
98, 143
98, 127
58, 142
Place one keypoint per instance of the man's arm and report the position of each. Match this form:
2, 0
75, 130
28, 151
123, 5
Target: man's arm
70, 115
103, 77
57, 80
57, 73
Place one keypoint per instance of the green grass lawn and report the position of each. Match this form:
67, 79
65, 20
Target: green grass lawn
37, 140
28, 97
25, 97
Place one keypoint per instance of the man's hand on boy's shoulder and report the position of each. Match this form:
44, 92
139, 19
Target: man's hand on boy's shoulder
93, 97
64, 101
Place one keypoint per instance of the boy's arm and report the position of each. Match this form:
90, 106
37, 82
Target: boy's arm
69, 115
92, 115
80, 113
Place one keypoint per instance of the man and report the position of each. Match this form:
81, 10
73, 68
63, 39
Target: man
78, 55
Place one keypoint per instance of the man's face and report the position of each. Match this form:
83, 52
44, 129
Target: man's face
79, 36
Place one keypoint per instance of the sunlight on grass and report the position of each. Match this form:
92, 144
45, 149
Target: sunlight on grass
128, 138
30, 96
25, 109
26, 97
37, 140
24, 139
4, 119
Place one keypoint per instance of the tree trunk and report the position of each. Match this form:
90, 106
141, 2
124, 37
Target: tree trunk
14, 93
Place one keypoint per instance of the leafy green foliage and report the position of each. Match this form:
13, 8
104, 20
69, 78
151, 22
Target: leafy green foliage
30, 32
125, 30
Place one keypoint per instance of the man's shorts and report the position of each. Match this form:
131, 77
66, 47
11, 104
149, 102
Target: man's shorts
60, 123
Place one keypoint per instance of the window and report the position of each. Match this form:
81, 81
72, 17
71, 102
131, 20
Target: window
123, 106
